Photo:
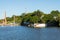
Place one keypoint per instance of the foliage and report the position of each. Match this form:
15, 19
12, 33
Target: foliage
34, 17
54, 13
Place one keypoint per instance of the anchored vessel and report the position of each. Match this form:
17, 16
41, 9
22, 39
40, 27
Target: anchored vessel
5, 22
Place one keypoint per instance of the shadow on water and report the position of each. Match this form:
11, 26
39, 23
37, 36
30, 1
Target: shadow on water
52, 23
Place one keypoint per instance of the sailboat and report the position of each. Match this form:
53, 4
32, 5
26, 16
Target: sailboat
5, 22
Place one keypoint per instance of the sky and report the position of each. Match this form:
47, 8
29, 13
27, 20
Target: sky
17, 7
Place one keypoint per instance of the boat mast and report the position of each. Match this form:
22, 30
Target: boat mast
14, 20
5, 20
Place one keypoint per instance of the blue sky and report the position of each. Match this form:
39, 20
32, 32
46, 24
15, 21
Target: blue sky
17, 7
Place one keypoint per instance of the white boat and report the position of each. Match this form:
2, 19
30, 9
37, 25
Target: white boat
39, 25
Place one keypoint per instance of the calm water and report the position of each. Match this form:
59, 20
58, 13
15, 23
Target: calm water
24, 33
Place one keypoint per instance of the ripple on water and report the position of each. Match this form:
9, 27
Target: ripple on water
25, 33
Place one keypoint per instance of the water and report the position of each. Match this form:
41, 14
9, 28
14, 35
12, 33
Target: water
25, 33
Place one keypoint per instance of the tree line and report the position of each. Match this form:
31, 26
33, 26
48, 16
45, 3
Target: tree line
35, 17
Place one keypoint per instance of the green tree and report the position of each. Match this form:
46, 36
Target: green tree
37, 13
47, 17
34, 19
55, 13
